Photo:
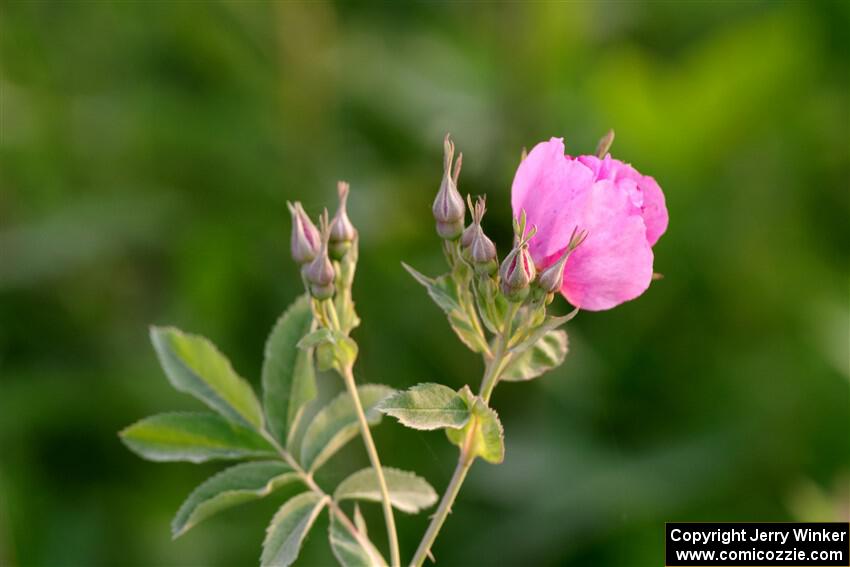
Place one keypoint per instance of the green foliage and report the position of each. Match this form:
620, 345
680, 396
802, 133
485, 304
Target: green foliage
547, 353
288, 529
193, 436
408, 492
427, 406
487, 436
193, 365
289, 381
336, 424
334, 350
443, 291
240, 483
351, 551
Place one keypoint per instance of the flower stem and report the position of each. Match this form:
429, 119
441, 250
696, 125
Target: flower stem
395, 557
494, 368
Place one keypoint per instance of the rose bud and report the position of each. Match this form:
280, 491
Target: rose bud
623, 212
552, 278
304, 243
342, 232
479, 249
319, 273
448, 206
516, 273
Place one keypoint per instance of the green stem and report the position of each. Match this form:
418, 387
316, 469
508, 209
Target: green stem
494, 368
372, 451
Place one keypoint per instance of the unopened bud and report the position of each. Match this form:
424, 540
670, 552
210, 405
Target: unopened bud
478, 248
342, 232
517, 273
448, 207
552, 278
304, 243
320, 272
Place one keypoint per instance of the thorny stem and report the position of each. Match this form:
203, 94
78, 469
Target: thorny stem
307, 479
495, 365
395, 556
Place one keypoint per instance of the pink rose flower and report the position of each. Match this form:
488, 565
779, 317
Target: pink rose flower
622, 211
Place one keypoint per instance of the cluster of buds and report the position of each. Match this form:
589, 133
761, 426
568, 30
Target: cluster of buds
313, 248
517, 276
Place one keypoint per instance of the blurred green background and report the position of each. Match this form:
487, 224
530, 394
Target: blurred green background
146, 154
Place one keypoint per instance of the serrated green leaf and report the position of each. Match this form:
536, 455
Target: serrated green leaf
195, 366
444, 293
549, 352
353, 551
289, 527
336, 424
289, 380
488, 440
427, 407
408, 492
230, 487
193, 436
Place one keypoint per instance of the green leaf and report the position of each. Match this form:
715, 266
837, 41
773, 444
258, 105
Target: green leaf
427, 406
193, 436
230, 487
488, 440
289, 380
548, 353
289, 527
353, 551
336, 424
193, 365
408, 492
443, 291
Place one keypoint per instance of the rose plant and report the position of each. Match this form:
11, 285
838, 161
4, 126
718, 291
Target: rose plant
584, 228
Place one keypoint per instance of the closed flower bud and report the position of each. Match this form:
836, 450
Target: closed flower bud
342, 232
478, 248
319, 273
517, 273
304, 243
552, 278
448, 205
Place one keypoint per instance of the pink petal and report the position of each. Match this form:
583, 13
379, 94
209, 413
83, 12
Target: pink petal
614, 263
551, 189
650, 200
